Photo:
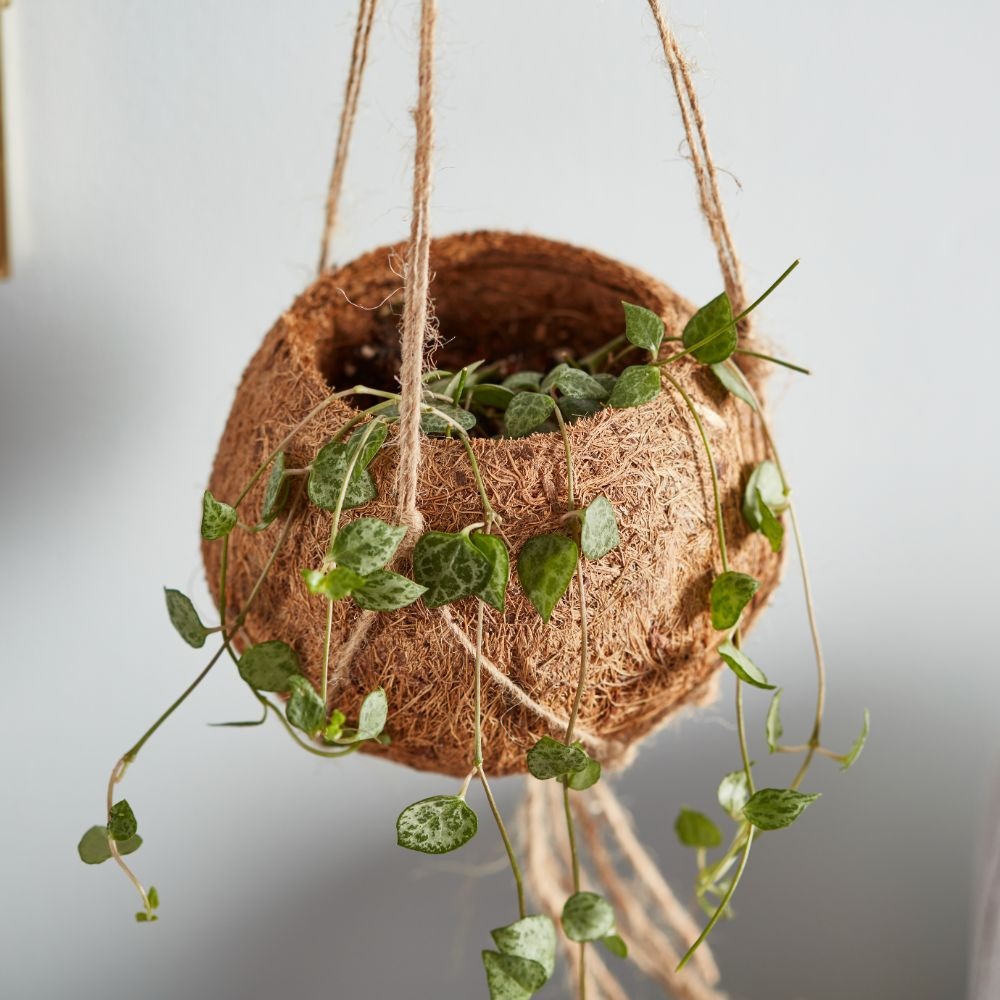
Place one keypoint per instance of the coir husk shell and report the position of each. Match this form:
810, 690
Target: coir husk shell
516, 297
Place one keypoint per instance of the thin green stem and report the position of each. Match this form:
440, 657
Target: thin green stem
741, 729
488, 512
327, 636
478, 748
567, 447
581, 682
814, 739
719, 522
308, 747
596, 357
774, 361
223, 571
117, 773
714, 919
508, 847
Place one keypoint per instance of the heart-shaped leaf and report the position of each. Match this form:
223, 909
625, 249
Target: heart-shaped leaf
636, 385
545, 566
366, 544
276, 490
527, 412
733, 793
443, 419
184, 618
765, 480
371, 717
217, 518
510, 977
450, 566
436, 825
328, 474
122, 824
94, 847
615, 945
598, 529
494, 592
496, 397
267, 666
580, 781
586, 916
695, 829
523, 381
731, 592
549, 758
776, 808
743, 666
579, 385
384, 590
532, 937
713, 328
643, 328
305, 709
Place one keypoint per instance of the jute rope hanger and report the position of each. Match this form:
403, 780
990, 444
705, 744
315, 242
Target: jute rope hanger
653, 950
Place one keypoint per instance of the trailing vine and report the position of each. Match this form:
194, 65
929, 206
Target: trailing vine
474, 564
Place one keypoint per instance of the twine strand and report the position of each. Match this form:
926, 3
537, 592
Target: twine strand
706, 175
359, 56
416, 282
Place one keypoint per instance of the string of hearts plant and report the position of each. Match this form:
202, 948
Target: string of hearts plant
475, 564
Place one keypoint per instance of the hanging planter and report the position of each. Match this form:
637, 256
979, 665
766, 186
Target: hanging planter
526, 304
493, 504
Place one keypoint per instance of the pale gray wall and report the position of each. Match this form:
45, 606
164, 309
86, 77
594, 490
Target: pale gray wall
168, 164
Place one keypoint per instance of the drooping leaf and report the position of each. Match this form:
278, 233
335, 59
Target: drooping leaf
527, 412
328, 473
733, 793
859, 744
276, 490
336, 584
94, 847
773, 729
510, 977
586, 916
636, 385
384, 590
305, 709
776, 808
731, 382
573, 409
450, 566
494, 591
743, 666
549, 758
695, 829
217, 518
643, 328
771, 528
579, 385
598, 529
184, 618
580, 781
545, 566
122, 824
731, 592
532, 937
615, 945
366, 544
523, 381
369, 439
267, 666
436, 825
714, 321
436, 423
765, 479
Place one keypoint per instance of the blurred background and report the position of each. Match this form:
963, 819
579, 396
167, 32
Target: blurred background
167, 165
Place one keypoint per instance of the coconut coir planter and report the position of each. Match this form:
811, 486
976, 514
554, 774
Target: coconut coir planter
531, 303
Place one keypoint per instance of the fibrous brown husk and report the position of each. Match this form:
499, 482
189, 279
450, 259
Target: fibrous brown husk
524, 299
